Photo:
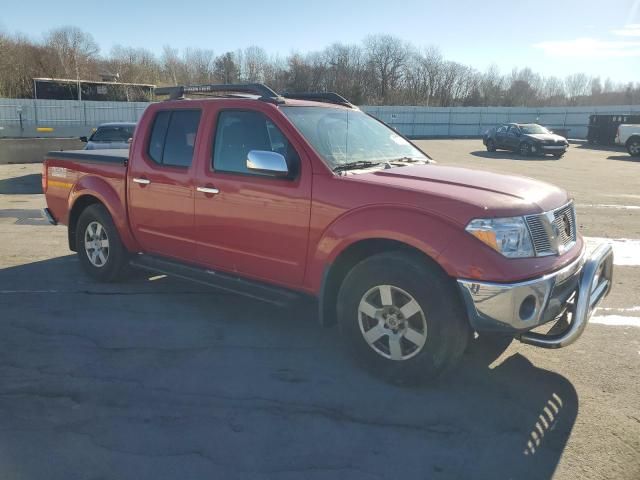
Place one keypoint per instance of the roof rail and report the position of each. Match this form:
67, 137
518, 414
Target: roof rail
327, 97
179, 91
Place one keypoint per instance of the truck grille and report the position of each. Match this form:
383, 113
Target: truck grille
553, 232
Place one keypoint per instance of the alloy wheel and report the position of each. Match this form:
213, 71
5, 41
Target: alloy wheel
96, 244
392, 322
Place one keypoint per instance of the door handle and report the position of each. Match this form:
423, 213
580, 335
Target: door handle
142, 181
209, 190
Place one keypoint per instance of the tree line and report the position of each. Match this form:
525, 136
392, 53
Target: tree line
381, 70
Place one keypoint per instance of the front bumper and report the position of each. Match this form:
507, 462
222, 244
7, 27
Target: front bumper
517, 308
550, 148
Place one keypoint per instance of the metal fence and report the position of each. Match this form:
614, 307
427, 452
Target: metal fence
62, 118
70, 118
474, 121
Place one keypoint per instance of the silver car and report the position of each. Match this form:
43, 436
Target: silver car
110, 135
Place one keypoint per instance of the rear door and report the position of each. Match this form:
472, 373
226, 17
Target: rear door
253, 224
160, 188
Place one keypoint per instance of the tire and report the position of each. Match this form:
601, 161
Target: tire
487, 347
524, 149
100, 250
633, 147
558, 156
491, 146
438, 318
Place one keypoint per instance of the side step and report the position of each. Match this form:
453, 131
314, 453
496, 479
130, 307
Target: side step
221, 281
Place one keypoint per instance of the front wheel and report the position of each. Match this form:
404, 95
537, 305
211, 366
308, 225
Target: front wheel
491, 146
633, 147
101, 253
558, 155
524, 149
402, 318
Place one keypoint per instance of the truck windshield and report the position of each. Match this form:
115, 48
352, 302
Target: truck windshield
344, 136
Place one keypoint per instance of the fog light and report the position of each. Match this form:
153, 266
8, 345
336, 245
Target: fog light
528, 308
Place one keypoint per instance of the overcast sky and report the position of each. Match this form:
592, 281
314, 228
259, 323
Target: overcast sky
553, 37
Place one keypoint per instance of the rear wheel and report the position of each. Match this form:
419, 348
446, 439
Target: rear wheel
401, 318
100, 250
633, 147
491, 146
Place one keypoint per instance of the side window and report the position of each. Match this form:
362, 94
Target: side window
502, 129
513, 130
173, 137
239, 132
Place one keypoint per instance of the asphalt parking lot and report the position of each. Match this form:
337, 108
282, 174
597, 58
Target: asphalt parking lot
160, 378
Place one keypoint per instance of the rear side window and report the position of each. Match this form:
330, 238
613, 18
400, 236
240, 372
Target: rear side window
239, 132
173, 137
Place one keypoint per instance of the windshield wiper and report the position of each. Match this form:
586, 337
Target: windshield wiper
407, 159
356, 165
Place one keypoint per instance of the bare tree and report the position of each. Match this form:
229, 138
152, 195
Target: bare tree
386, 56
74, 51
576, 85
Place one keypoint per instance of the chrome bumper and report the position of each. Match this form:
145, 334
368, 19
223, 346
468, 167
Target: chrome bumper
46, 214
519, 307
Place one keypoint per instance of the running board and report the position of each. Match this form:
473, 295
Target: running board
221, 281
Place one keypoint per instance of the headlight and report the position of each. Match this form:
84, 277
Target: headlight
509, 236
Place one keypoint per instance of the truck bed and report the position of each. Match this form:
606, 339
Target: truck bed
71, 171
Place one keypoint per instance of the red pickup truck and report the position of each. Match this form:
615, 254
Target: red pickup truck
276, 196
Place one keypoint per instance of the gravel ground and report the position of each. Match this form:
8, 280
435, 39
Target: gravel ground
166, 379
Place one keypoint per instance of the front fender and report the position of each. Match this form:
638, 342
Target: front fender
111, 193
417, 228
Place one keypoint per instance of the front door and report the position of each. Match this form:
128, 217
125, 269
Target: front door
160, 188
249, 223
513, 137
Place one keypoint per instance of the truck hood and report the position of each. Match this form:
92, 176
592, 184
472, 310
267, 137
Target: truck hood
476, 193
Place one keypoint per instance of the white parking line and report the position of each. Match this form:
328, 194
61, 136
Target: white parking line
616, 320
608, 205
626, 252
613, 309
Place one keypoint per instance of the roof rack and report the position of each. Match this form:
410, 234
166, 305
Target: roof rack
265, 93
327, 97
179, 91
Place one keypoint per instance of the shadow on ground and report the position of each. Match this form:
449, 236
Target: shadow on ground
625, 158
165, 379
506, 155
24, 216
602, 148
24, 185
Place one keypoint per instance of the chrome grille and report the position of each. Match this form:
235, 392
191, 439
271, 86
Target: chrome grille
539, 235
565, 224
553, 232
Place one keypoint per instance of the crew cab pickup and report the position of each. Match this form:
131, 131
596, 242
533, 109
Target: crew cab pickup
280, 196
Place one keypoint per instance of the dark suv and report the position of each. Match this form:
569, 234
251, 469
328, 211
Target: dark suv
526, 139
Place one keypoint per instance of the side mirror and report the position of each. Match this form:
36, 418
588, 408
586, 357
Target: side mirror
129, 140
267, 163
84, 139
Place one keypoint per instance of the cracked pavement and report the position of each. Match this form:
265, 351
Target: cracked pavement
165, 379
